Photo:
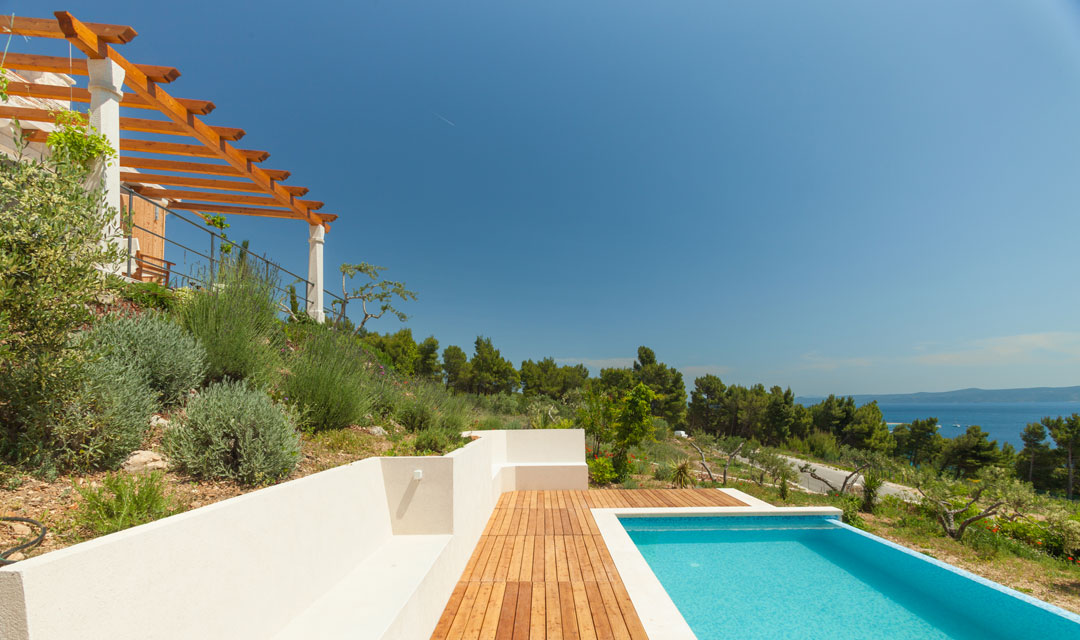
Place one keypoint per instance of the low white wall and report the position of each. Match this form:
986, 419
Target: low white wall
246, 567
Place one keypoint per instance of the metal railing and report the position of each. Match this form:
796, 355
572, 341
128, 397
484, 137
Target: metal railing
192, 267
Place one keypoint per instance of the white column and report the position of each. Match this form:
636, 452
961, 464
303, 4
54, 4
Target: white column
316, 239
106, 90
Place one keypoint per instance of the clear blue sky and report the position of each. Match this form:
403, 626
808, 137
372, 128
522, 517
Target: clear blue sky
841, 196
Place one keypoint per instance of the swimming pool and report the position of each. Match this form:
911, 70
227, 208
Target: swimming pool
768, 577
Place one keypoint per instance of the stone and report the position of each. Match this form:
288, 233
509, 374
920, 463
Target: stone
158, 422
144, 462
19, 529
15, 557
376, 431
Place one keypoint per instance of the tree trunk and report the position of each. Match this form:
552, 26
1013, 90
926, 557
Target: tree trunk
1031, 467
1072, 472
703, 465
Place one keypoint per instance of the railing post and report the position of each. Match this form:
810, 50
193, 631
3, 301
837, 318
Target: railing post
315, 285
211, 283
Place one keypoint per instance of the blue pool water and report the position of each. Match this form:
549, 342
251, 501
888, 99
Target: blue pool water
772, 577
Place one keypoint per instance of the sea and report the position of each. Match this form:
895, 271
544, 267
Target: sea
1004, 421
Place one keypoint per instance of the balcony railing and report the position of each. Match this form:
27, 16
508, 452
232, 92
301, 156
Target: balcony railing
194, 261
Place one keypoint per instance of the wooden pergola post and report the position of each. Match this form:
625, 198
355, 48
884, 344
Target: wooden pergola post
316, 239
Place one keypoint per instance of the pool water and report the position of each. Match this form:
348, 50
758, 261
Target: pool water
773, 577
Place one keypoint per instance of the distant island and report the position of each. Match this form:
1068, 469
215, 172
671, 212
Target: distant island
1033, 394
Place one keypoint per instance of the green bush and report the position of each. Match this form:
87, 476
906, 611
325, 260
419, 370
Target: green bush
172, 361
492, 423
235, 319
663, 472
235, 432
145, 295
50, 249
437, 440
416, 416
872, 484
328, 381
682, 476
102, 418
601, 470
849, 507
823, 445
123, 501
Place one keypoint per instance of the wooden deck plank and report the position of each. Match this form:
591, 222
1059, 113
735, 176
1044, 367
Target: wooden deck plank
541, 570
508, 609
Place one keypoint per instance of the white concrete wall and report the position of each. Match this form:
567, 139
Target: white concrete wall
249, 566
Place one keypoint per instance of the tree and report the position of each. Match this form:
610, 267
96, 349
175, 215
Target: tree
1066, 435
991, 493
633, 426
867, 430
456, 366
1036, 456
779, 416
666, 383
918, 441
377, 292
399, 347
970, 452
707, 404
427, 364
597, 415
546, 378
489, 372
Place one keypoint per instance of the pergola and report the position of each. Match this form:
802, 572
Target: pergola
233, 182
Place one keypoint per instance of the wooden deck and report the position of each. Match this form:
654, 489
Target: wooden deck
541, 570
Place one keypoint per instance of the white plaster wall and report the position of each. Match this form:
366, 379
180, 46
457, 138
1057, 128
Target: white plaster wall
235, 569
250, 566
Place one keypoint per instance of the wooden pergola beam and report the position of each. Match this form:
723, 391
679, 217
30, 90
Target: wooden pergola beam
250, 211
206, 196
176, 149
45, 28
77, 66
77, 94
143, 125
94, 47
154, 146
205, 183
193, 167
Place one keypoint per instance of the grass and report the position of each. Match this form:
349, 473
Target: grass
123, 501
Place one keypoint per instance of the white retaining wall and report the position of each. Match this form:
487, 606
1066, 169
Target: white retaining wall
366, 550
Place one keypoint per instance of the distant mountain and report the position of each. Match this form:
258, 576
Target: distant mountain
1033, 394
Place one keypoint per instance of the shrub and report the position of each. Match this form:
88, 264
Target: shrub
492, 423
663, 472
849, 507
171, 360
872, 484
454, 422
124, 501
50, 247
146, 295
823, 445
416, 416
236, 432
682, 476
601, 470
327, 380
437, 441
102, 418
235, 319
